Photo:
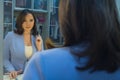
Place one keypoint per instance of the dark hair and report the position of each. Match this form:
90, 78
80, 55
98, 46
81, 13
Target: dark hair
20, 19
94, 22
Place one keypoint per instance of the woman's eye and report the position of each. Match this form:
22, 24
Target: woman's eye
31, 20
24, 21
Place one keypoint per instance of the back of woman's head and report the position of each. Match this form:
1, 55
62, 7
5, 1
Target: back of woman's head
21, 18
95, 22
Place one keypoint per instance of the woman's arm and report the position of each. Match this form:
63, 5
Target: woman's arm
6, 55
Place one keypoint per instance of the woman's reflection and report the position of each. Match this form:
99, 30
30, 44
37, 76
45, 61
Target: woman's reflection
21, 44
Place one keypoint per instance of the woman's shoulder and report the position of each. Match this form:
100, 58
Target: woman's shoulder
51, 53
56, 51
64, 51
11, 33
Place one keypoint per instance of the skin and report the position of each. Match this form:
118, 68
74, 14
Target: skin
27, 26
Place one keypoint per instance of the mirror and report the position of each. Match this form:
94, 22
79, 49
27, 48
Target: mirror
1, 39
46, 12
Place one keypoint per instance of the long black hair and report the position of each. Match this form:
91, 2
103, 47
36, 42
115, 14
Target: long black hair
21, 18
94, 22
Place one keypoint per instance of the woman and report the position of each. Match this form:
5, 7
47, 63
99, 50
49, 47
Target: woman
91, 51
20, 44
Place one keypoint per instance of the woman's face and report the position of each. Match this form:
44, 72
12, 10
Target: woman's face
28, 23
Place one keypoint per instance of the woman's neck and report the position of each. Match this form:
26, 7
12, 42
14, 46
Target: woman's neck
27, 38
26, 33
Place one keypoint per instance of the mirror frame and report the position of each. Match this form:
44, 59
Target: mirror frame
1, 39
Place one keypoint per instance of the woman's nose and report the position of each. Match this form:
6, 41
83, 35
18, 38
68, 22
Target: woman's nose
27, 23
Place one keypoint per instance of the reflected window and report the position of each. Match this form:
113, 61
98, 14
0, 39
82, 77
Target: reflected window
40, 4
54, 23
23, 3
7, 16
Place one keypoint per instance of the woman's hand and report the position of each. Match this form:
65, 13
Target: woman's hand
39, 42
14, 74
